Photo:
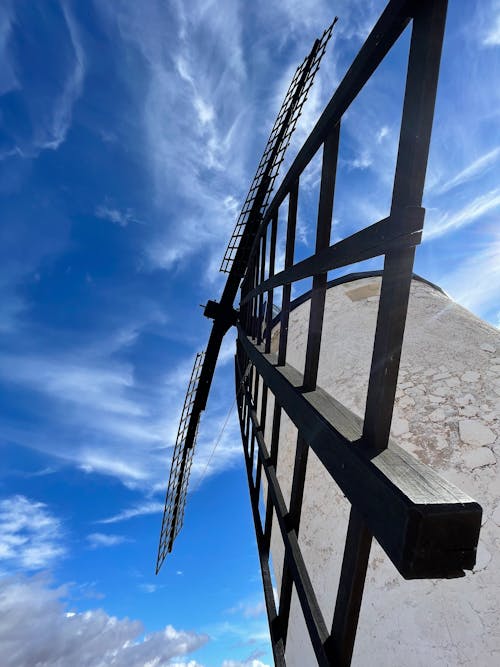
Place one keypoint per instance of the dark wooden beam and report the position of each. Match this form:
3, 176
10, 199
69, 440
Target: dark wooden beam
428, 527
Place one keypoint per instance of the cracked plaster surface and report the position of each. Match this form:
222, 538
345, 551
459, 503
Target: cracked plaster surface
447, 414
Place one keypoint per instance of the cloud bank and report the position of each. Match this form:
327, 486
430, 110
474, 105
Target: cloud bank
60, 637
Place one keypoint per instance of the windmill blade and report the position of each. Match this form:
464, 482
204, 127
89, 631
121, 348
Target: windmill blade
175, 500
222, 313
274, 153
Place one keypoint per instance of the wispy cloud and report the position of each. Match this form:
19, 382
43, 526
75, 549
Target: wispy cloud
133, 512
192, 139
97, 540
472, 171
12, 308
493, 36
474, 282
492, 32
250, 607
118, 425
63, 378
362, 161
382, 134
94, 401
43, 472
62, 636
31, 537
148, 588
95, 461
202, 144
122, 218
72, 89
247, 631
442, 223
48, 124
8, 78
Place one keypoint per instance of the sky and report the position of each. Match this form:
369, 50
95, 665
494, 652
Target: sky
129, 134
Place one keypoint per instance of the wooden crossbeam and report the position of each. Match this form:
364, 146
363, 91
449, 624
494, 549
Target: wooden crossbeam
427, 526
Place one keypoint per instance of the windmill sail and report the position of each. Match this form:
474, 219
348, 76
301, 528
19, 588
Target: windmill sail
175, 500
277, 144
223, 314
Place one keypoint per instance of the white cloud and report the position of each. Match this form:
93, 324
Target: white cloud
192, 139
62, 637
228, 349
309, 16
369, 140
96, 462
382, 133
473, 170
249, 608
363, 161
492, 36
8, 78
96, 403
202, 144
133, 512
30, 535
437, 225
474, 282
109, 212
218, 451
85, 382
148, 588
50, 114
252, 631
53, 135
97, 540
117, 425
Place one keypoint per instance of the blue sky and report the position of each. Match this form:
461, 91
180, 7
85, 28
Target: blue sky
129, 133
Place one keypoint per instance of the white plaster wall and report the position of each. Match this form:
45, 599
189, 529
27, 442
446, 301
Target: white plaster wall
447, 415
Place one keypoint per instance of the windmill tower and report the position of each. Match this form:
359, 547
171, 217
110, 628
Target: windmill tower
316, 406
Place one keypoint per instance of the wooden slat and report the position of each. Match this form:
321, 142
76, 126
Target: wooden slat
350, 592
274, 629
416, 126
261, 275
273, 458
402, 229
323, 231
270, 295
293, 556
315, 328
289, 253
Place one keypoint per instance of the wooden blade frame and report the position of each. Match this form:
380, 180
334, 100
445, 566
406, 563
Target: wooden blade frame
277, 144
235, 263
175, 500
425, 525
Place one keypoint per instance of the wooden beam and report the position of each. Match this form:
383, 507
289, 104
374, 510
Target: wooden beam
428, 527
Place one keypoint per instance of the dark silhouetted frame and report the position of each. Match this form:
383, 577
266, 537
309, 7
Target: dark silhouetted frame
427, 527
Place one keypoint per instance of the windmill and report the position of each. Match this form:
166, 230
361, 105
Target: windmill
425, 526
